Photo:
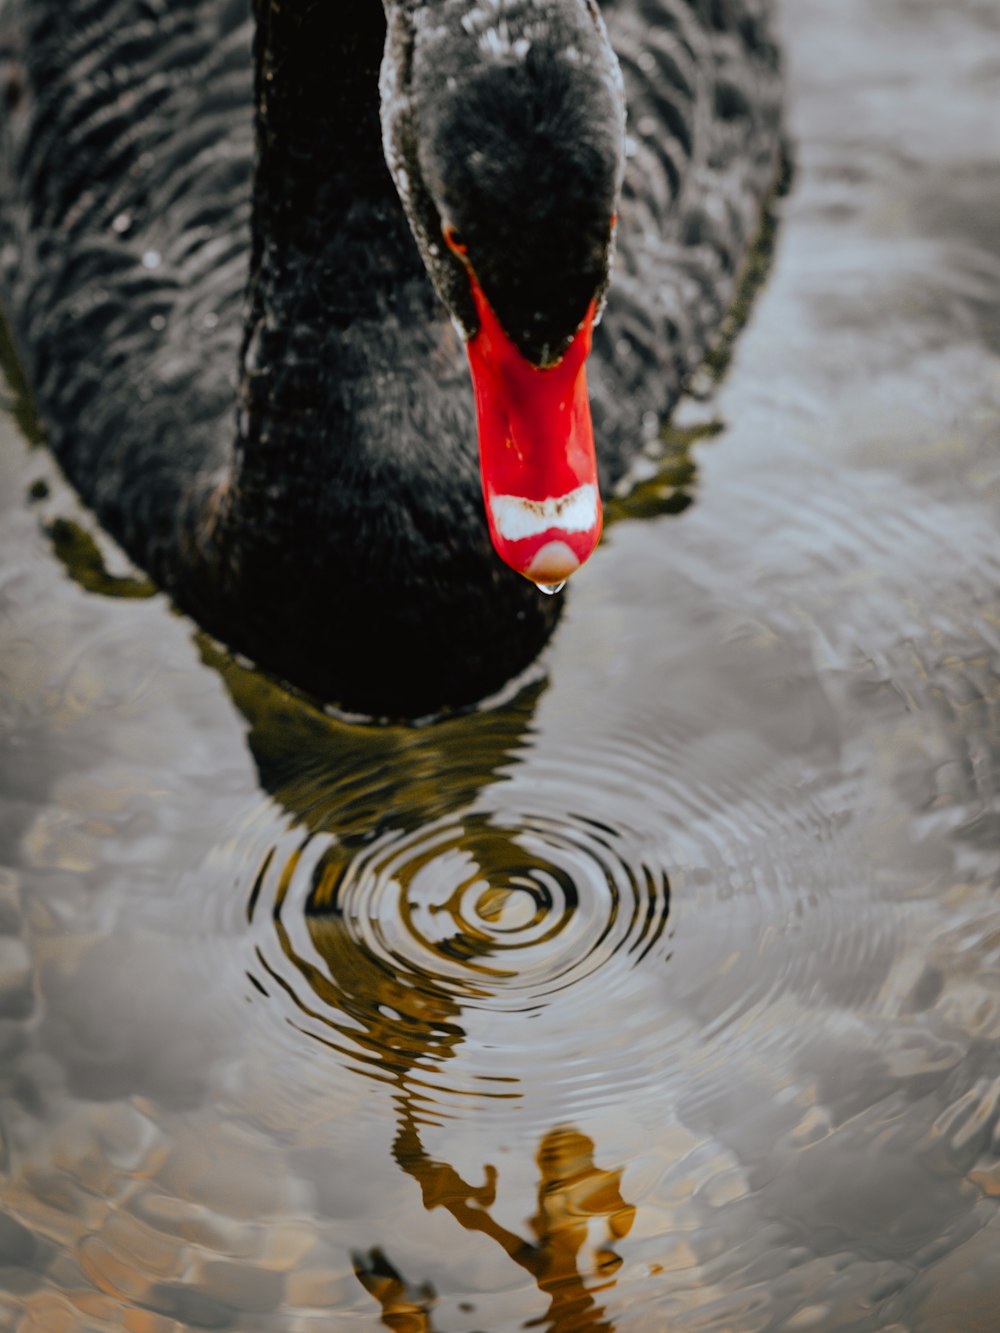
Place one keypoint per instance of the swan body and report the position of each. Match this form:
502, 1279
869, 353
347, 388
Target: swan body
249, 336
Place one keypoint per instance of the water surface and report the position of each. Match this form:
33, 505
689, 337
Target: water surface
663, 993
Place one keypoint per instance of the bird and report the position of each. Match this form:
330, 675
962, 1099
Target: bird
340, 317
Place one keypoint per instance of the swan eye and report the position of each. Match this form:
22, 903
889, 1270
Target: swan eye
452, 239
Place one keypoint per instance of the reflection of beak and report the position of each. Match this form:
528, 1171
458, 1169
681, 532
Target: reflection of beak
536, 450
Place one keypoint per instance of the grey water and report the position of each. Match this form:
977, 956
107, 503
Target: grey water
662, 992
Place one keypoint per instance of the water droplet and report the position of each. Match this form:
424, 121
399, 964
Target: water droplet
550, 589
151, 259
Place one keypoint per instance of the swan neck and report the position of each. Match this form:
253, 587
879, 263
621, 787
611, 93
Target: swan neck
322, 195
316, 80
332, 265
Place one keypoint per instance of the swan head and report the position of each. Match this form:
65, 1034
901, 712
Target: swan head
503, 123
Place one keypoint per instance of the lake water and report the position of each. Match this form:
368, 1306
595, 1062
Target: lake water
663, 993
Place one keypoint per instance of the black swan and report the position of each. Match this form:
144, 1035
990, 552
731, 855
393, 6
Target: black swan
247, 336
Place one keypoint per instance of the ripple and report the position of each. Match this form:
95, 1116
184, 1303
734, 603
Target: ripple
469, 911
541, 930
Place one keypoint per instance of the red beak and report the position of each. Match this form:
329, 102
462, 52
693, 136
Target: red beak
536, 451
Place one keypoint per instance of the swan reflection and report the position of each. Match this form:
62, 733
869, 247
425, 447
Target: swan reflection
574, 1193
410, 927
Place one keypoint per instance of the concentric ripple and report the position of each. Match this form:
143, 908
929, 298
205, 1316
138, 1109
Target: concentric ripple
471, 911
582, 919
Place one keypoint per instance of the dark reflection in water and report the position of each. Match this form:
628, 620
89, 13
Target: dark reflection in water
572, 1192
408, 918
662, 994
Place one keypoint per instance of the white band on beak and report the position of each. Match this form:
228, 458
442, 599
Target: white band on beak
516, 517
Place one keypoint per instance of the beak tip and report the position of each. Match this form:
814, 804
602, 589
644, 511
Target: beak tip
552, 563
